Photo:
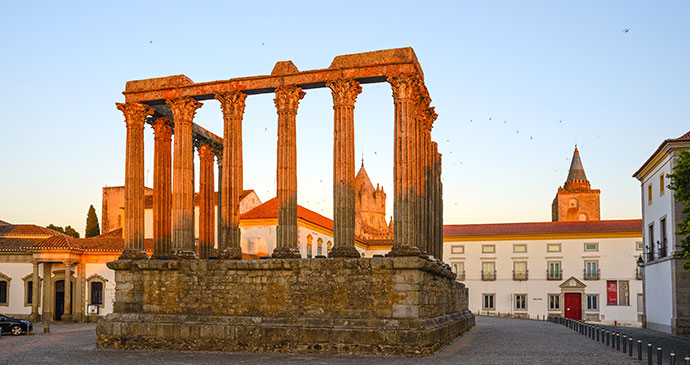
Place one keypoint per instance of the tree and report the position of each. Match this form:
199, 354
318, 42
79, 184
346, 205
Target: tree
92, 228
68, 230
680, 184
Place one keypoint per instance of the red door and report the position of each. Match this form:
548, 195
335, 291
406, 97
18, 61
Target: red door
573, 306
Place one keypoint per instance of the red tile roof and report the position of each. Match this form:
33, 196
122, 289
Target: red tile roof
3, 223
58, 242
627, 225
685, 137
269, 210
28, 230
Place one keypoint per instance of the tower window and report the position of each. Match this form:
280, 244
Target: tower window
661, 185
649, 194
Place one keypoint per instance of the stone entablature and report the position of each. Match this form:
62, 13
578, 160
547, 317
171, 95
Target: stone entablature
402, 305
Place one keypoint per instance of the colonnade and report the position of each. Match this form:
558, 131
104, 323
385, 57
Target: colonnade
418, 221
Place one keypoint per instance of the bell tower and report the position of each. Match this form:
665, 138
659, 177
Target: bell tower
576, 200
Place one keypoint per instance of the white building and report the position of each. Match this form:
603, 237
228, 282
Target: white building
666, 285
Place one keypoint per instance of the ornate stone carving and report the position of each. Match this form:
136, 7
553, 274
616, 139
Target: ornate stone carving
135, 113
405, 86
288, 97
162, 130
183, 108
344, 92
232, 103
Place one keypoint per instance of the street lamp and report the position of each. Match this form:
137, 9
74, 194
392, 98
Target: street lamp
640, 261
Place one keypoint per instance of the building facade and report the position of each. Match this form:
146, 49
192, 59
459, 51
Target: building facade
667, 285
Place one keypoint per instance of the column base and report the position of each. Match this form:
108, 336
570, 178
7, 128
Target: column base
133, 255
401, 251
286, 253
234, 253
177, 254
344, 252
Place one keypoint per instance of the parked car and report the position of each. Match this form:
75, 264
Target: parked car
14, 326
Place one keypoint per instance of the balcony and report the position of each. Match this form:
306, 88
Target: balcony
591, 274
520, 275
553, 275
650, 254
662, 248
488, 275
460, 276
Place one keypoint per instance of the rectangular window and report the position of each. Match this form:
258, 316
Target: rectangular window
488, 271
488, 249
96, 292
662, 237
623, 292
459, 270
520, 302
639, 246
591, 247
650, 243
519, 248
554, 302
3, 292
30, 292
661, 185
519, 270
554, 271
611, 292
488, 302
553, 247
591, 270
457, 249
649, 194
308, 250
592, 302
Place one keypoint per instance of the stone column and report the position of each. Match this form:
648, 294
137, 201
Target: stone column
206, 228
79, 297
219, 209
429, 116
439, 206
405, 167
232, 103
423, 130
47, 305
35, 289
135, 115
183, 110
344, 95
286, 101
162, 196
67, 316
432, 203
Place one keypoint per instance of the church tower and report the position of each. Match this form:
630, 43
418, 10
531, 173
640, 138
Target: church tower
370, 208
576, 200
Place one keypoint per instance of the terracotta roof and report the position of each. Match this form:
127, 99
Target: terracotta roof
148, 199
110, 242
269, 210
684, 137
17, 244
28, 230
58, 242
3, 223
628, 225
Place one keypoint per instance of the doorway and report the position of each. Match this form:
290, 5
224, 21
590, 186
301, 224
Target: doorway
573, 306
60, 299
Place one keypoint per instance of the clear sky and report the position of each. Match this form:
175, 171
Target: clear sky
515, 83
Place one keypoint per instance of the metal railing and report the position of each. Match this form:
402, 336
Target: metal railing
520, 275
550, 275
662, 248
489, 276
591, 275
460, 276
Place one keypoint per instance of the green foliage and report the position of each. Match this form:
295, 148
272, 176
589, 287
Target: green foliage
92, 228
680, 184
67, 230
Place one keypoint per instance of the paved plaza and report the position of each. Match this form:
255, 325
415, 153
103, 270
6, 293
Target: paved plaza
492, 341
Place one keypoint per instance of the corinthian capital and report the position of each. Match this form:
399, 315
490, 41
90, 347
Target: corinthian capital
288, 97
206, 153
404, 86
184, 108
135, 113
232, 103
162, 129
344, 91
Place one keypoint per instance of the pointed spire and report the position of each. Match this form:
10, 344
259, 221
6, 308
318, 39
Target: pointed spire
576, 175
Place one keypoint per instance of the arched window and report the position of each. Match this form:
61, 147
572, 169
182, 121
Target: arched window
29, 290
4, 290
319, 247
96, 285
309, 240
329, 245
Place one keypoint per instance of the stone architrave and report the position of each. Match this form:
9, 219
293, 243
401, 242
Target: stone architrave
206, 191
35, 289
183, 110
344, 95
406, 166
232, 103
162, 195
135, 116
287, 100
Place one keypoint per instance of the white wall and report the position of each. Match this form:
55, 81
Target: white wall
108, 290
16, 271
658, 292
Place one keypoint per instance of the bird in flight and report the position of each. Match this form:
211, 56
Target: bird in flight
626, 30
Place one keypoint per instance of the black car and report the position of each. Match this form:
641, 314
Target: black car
14, 326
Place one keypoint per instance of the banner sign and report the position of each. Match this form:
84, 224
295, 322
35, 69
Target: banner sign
612, 292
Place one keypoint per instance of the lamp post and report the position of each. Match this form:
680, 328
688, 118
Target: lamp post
640, 261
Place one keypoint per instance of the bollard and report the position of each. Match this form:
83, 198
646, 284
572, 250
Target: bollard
625, 343
630, 341
598, 330
639, 349
687, 360
658, 355
608, 336
673, 358
649, 353
613, 340
603, 335
618, 341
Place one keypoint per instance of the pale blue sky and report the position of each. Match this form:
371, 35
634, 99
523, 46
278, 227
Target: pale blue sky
515, 83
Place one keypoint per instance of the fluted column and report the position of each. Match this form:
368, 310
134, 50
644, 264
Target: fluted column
135, 115
183, 110
232, 103
439, 205
286, 101
67, 315
219, 199
35, 289
206, 190
79, 297
423, 131
405, 169
162, 196
344, 95
46, 303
